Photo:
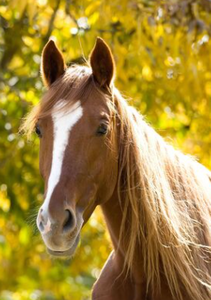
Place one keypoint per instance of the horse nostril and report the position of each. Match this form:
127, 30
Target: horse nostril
68, 221
41, 226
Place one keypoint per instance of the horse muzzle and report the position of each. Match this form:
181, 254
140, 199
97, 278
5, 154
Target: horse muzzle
66, 253
61, 236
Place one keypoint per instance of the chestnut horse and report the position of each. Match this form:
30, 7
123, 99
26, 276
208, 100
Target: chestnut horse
97, 150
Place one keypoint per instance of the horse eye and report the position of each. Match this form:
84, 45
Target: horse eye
38, 131
102, 129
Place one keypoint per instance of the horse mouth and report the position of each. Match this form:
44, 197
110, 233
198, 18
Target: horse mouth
66, 253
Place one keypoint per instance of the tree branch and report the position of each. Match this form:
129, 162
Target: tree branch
51, 22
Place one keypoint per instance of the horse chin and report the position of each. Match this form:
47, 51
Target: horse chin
66, 253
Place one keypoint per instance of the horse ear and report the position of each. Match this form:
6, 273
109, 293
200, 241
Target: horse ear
52, 63
102, 63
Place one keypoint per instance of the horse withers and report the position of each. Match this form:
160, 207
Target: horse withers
97, 150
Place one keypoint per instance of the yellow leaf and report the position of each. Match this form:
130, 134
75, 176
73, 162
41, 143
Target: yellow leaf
147, 73
24, 235
208, 88
4, 201
31, 9
18, 5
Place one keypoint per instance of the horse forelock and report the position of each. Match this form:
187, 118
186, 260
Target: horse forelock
167, 206
76, 83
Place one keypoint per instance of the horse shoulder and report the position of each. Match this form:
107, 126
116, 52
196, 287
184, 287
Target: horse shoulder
111, 284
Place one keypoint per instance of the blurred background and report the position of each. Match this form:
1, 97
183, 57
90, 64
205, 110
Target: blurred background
163, 55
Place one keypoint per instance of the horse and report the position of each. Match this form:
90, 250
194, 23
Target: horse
97, 150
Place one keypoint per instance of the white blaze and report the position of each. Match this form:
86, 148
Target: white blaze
63, 122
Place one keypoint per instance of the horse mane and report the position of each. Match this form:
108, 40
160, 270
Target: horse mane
164, 194
167, 208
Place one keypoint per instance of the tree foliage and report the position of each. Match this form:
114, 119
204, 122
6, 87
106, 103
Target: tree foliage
163, 55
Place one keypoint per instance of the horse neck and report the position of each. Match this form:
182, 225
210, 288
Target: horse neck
113, 217
112, 211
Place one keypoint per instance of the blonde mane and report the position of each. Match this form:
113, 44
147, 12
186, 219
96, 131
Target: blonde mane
165, 195
167, 208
